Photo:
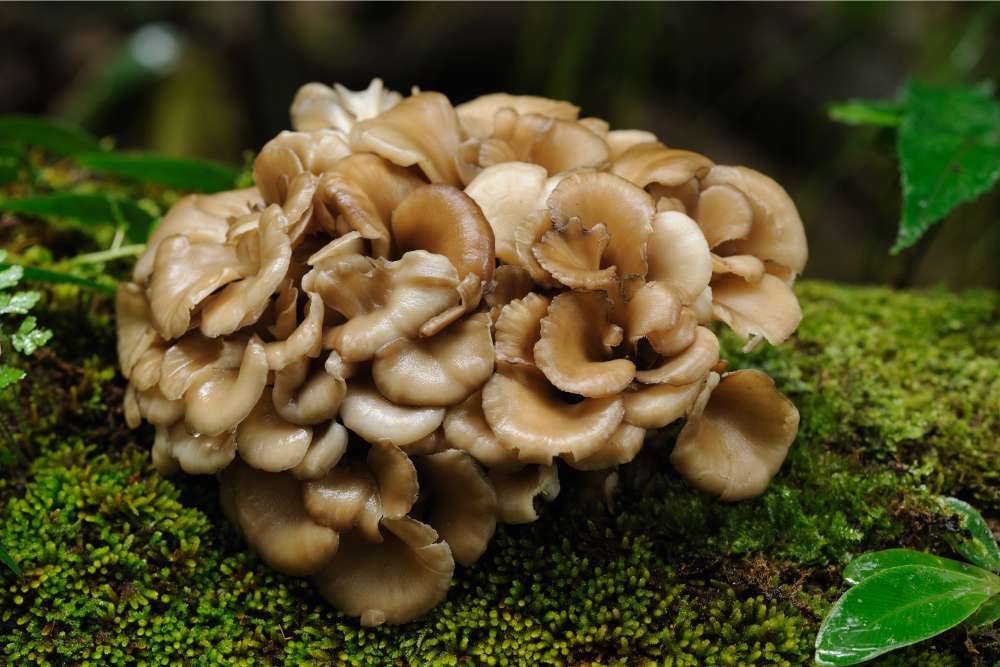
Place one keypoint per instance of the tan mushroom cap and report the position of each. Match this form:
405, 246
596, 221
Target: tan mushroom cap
676, 339
477, 116
658, 405
767, 307
519, 492
421, 130
384, 300
306, 396
351, 243
465, 428
525, 413
438, 371
678, 255
268, 442
152, 406
655, 307
724, 214
739, 442
345, 498
306, 340
393, 582
572, 255
620, 141
221, 399
509, 283
576, 344
146, 372
134, 328
396, 477
507, 193
292, 153
319, 107
518, 328
747, 267
195, 454
654, 163
429, 444
463, 506
689, 366
327, 447
623, 446
446, 221
273, 519
777, 234
377, 419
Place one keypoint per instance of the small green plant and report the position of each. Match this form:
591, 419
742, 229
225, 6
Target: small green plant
900, 597
948, 145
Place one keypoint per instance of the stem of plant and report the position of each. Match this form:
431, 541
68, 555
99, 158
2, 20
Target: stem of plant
110, 254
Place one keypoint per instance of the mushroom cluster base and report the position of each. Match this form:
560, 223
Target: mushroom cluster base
421, 312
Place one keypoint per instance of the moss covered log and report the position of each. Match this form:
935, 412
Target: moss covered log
900, 399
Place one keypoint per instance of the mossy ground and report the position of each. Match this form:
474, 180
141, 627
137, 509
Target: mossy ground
900, 399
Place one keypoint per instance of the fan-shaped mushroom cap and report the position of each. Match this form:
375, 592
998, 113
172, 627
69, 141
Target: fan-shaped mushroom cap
198, 454
572, 255
657, 405
344, 498
146, 372
693, 363
152, 406
437, 371
319, 107
724, 214
193, 355
446, 221
396, 477
747, 267
767, 307
621, 447
654, 163
463, 505
350, 243
200, 218
465, 428
376, 419
242, 302
327, 447
507, 193
518, 492
777, 234
557, 145
306, 340
525, 413
576, 340
307, 397
133, 326
273, 519
619, 141
268, 442
509, 283
384, 300
678, 255
739, 442
518, 328
477, 116
429, 444
654, 307
222, 398
676, 339
292, 153
421, 130
393, 582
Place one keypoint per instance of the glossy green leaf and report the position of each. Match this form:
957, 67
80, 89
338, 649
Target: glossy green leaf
9, 376
5, 557
87, 208
18, 303
181, 173
895, 608
986, 615
52, 134
866, 565
10, 276
979, 546
47, 276
949, 153
28, 337
867, 112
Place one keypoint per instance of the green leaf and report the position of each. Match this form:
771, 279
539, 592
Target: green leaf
181, 173
87, 208
867, 112
10, 276
27, 338
979, 547
47, 276
895, 608
986, 615
866, 565
9, 376
18, 303
52, 134
949, 153
9, 562
11, 164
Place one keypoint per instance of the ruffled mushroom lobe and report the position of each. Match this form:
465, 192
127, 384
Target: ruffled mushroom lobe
518, 492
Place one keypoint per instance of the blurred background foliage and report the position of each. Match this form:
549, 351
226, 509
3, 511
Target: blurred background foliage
743, 83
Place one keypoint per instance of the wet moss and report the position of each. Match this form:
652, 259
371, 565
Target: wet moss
899, 397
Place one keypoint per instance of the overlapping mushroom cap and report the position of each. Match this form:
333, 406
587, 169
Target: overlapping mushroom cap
389, 344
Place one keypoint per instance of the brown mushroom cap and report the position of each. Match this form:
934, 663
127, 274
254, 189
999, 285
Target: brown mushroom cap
274, 521
693, 363
518, 492
319, 107
747, 267
678, 255
509, 283
724, 214
306, 397
654, 163
465, 428
327, 447
657, 405
396, 477
306, 340
268, 442
518, 328
655, 307
623, 446
477, 115
222, 398
421, 130
195, 454
526, 413
463, 506
134, 327
393, 582
345, 498
738, 443
377, 419
507, 193
673, 341
572, 255
767, 307
575, 357
446, 221
292, 153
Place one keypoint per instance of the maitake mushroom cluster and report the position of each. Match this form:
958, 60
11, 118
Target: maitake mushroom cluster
385, 345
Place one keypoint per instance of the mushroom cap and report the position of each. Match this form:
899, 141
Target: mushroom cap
327, 447
346, 497
465, 428
777, 234
655, 307
619, 141
437, 371
396, 477
197, 454
306, 397
747, 267
525, 413
724, 214
767, 307
678, 255
654, 163
377, 419
135, 332
273, 519
572, 255
463, 506
152, 406
509, 283
506, 194
292, 153
518, 329
518, 492
446, 221
690, 365
657, 405
574, 356
738, 443
477, 116
421, 130
623, 446
306, 340
219, 400
268, 442
319, 107
393, 582
676, 339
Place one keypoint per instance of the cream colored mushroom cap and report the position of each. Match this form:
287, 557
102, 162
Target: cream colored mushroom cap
507, 193
268, 442
518, 492
678, 255
220, 400
765, 308
317, 106
465, 428
377, 419
477, 115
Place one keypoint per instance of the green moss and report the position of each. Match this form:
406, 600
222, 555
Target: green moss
899, 398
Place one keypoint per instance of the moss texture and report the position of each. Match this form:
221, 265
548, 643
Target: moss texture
900, 398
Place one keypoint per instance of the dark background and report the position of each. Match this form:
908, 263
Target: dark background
743, 83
